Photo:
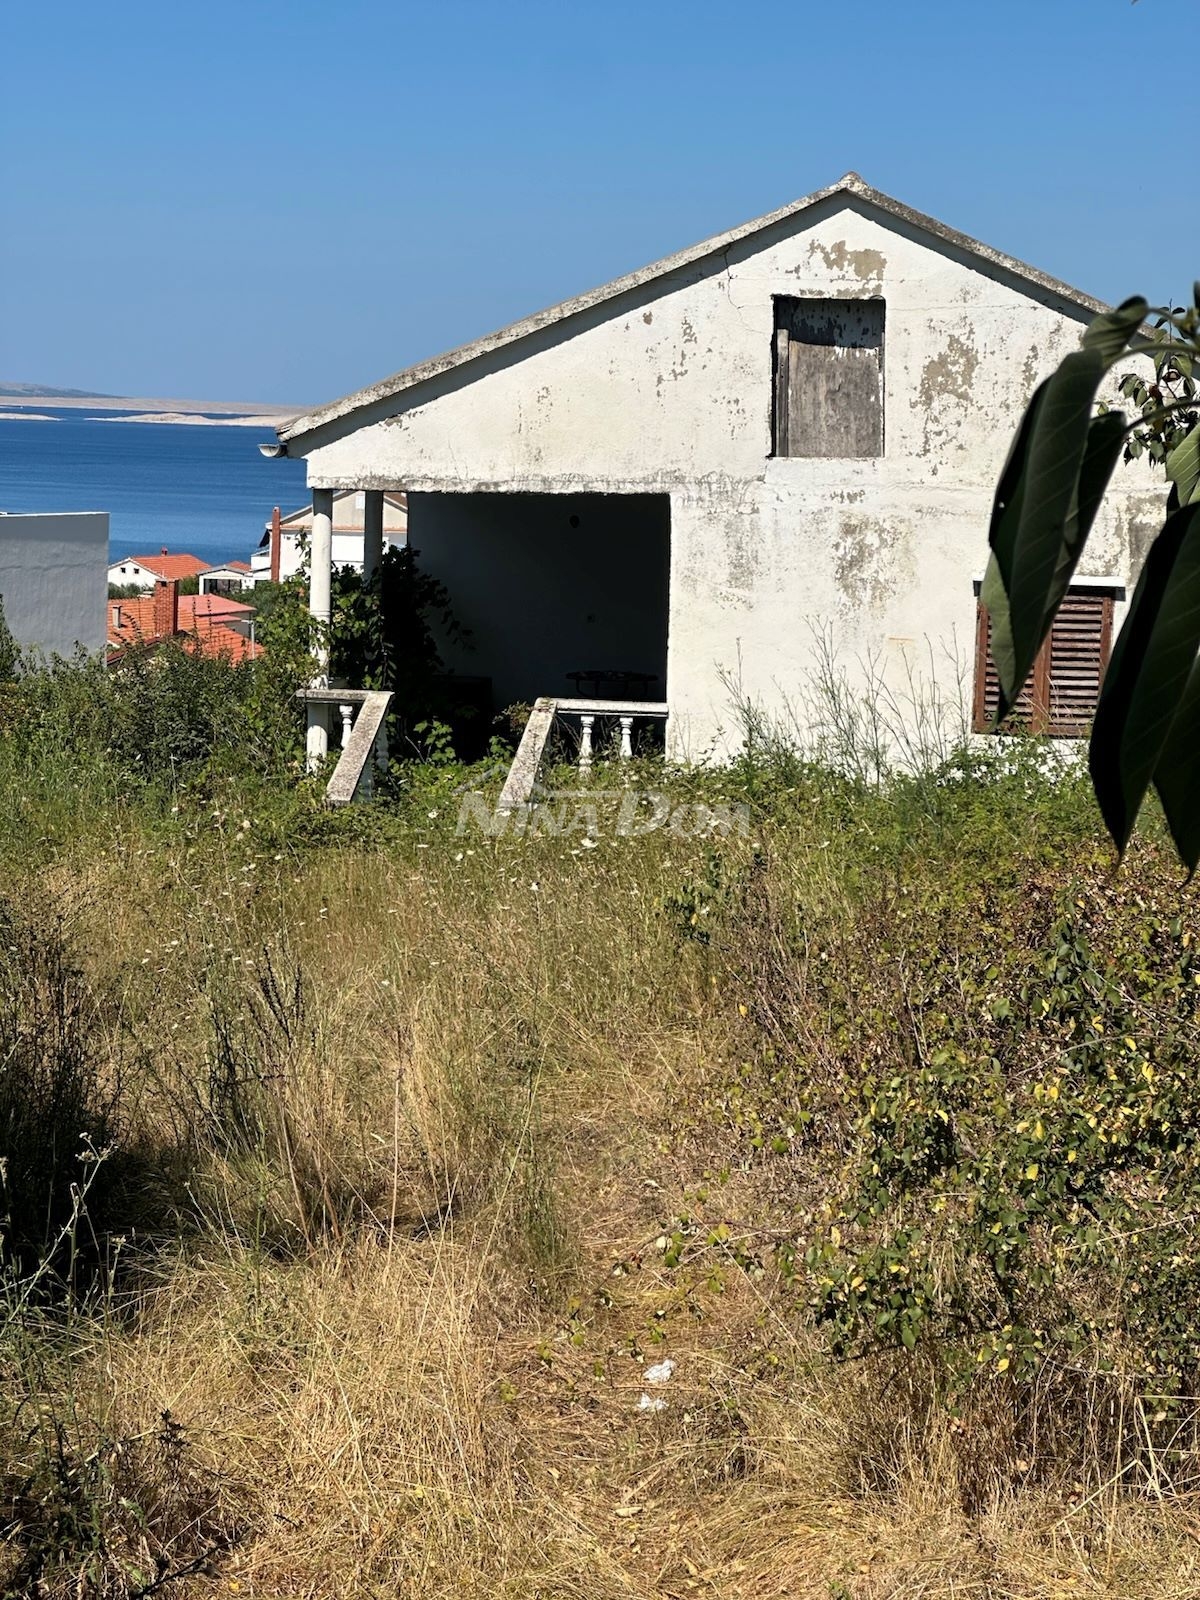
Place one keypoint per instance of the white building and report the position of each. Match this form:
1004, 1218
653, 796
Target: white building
52, 582
794, 427
143, 572
349, 512
230, 577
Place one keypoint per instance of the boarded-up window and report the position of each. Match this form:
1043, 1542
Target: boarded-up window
1060, 695
828, 377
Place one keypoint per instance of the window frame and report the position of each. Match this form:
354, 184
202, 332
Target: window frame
783, 308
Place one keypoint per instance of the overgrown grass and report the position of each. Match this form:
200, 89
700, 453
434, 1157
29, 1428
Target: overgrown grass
358, 1169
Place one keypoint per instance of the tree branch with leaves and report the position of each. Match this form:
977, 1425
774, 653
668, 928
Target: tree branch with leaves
1059, 467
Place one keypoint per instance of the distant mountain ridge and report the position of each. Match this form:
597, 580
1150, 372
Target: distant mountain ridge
43, 391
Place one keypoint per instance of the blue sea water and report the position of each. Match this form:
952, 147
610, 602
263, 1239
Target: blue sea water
192, 488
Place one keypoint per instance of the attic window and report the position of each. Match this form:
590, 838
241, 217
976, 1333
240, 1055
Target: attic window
828, 377
1061, 693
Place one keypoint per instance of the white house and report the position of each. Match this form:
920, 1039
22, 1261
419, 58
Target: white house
674, 480
52, 580
349, 532
146, 571
230, 577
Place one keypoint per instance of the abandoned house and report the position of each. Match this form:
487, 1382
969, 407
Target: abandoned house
665, 490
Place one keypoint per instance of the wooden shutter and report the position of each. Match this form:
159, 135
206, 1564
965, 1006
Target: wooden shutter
828, 397
1060, 695
1028, 715
1079, 647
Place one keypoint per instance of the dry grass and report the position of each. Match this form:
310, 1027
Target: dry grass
429, 1109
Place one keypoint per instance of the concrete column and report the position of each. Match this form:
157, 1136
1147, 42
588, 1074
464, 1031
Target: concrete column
320, 574
320, 582
372, 531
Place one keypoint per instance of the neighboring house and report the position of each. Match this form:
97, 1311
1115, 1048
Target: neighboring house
212, 624
349, 509
146, 571
680, 480
52, 579
231, 578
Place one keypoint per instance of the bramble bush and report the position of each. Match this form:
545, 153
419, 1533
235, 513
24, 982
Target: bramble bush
1025, 1188
962, 1125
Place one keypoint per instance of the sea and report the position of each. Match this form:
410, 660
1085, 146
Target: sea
206, 491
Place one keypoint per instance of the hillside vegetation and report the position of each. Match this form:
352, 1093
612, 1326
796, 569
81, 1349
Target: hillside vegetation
359, 1172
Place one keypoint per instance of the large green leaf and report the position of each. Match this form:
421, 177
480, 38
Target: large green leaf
1104, 447
1104, 442
1151, 664
1183, 466
1006, 518
1048, 495
1109, 333
1177, 774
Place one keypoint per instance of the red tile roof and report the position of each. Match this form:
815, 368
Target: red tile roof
211, 608
166, 565
203, 624
218, 640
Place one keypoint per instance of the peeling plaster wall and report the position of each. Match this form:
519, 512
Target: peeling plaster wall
669, 389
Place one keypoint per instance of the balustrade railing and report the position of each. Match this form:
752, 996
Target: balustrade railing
522, 775
364, 752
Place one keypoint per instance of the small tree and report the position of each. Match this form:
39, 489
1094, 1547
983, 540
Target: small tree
1147, 725
386, 631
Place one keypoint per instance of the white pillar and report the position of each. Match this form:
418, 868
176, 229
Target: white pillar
626, 737
586, 723
372, 531
320, 582
320, 576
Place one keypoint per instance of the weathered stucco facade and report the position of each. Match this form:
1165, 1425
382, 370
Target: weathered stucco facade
662, 384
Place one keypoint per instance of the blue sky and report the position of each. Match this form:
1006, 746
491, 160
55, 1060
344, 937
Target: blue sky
242, 199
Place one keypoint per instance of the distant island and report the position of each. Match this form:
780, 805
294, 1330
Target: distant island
42, 391
15, 398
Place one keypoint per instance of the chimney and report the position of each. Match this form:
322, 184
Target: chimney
116, 619
275, 540
166, 608
163, 551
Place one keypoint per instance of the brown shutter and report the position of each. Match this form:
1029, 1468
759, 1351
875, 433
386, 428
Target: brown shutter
1060, 696
1028, 713
1079, 645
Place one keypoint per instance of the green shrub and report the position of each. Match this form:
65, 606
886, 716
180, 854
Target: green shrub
1024, 1183
162, 714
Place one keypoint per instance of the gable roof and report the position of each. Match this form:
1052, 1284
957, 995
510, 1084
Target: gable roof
297, 428
166, 565
226, 566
